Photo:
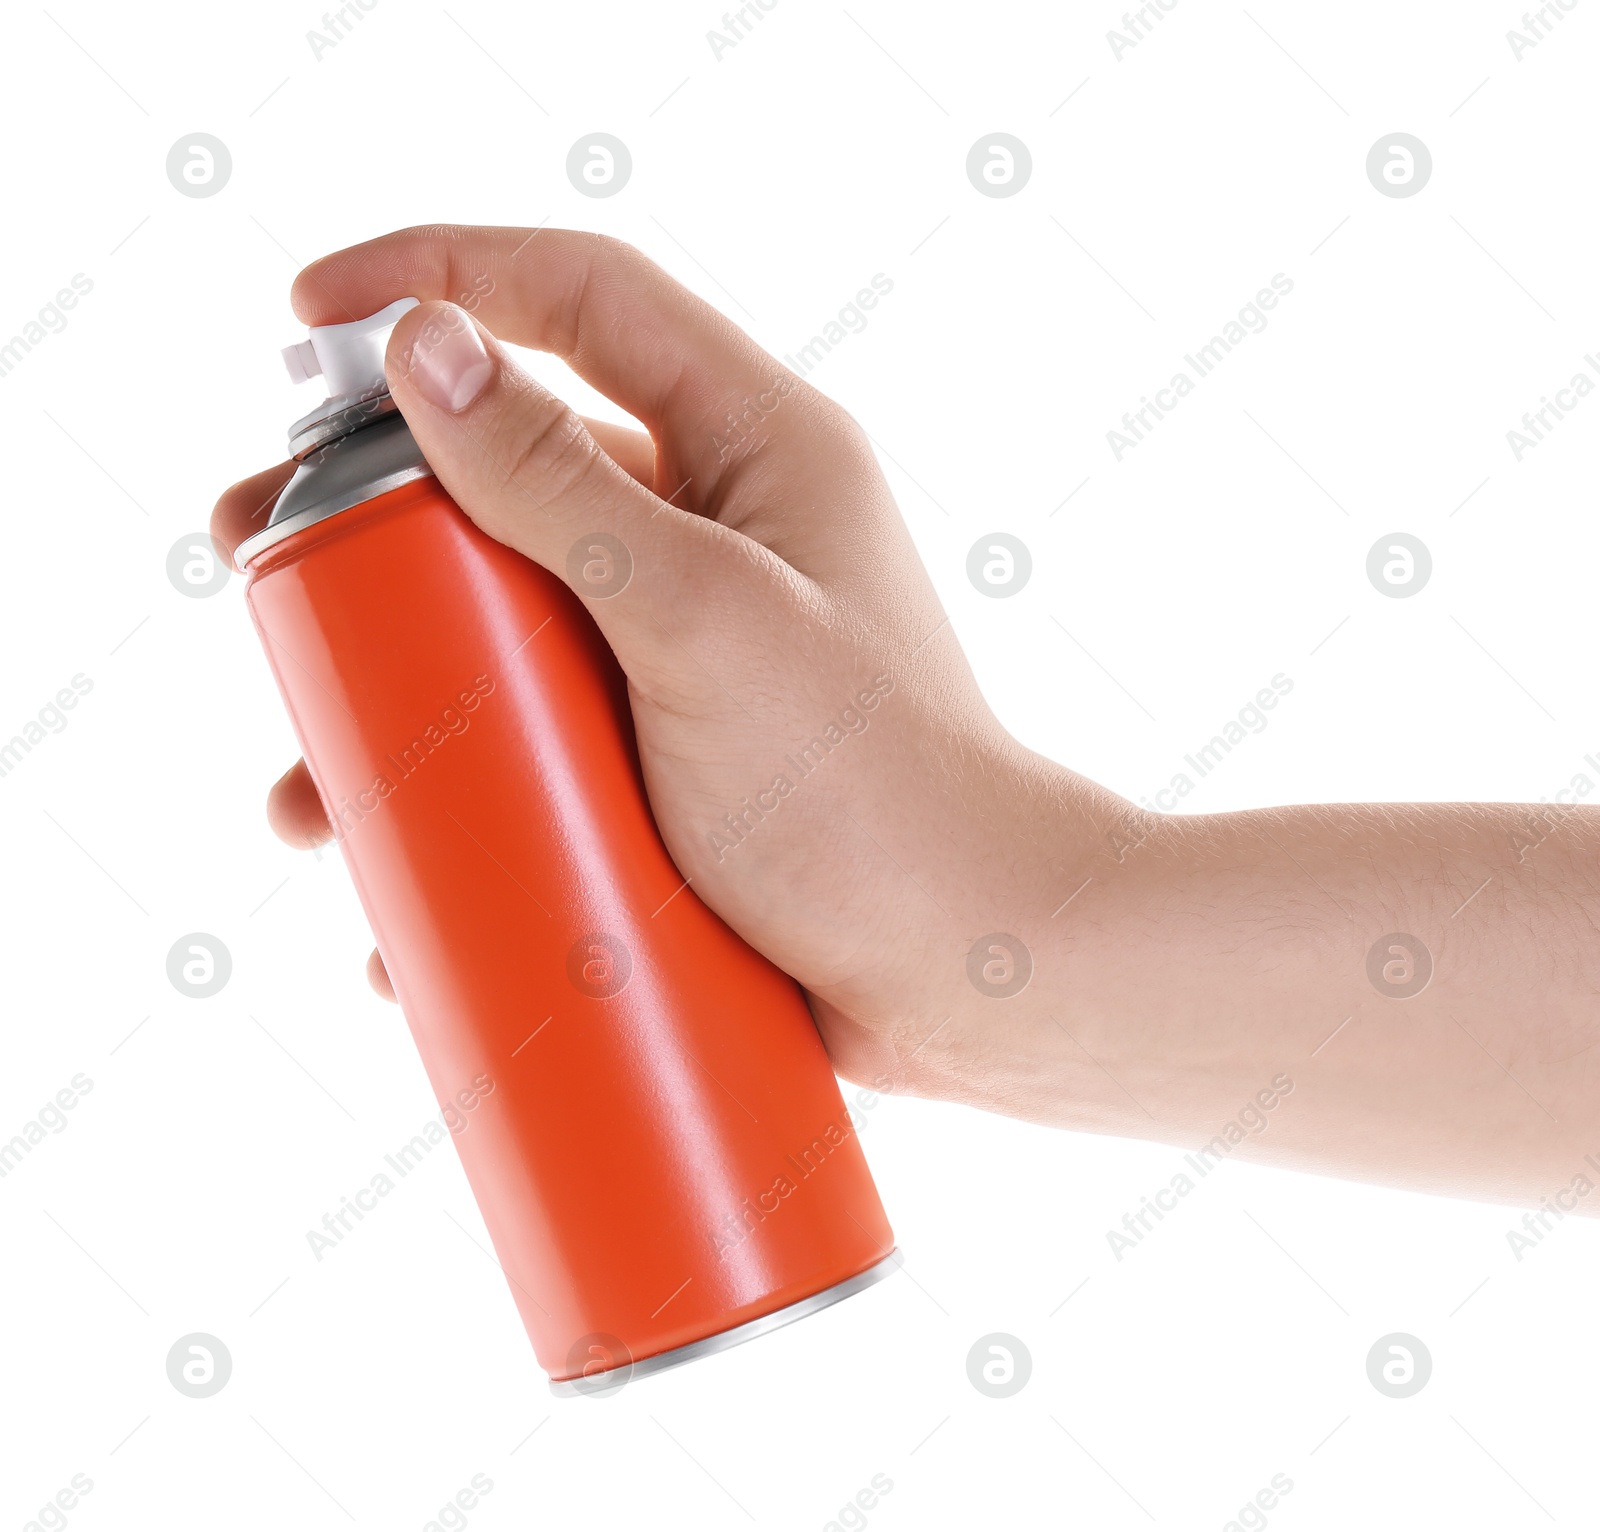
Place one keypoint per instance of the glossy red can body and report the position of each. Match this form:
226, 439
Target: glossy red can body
645, 1112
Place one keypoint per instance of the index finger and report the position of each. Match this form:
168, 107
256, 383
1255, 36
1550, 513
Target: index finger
676, 364
244, 507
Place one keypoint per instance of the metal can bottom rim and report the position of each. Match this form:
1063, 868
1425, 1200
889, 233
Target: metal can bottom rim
613, 1378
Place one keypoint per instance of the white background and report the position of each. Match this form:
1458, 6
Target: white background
777, 180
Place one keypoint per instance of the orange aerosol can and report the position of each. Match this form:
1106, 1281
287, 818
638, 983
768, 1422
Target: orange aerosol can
645, 1112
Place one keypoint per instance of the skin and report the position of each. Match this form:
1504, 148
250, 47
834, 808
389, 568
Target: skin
1205, 960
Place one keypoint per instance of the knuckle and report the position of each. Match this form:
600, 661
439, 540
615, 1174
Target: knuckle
617, 250
832, 423
551, 453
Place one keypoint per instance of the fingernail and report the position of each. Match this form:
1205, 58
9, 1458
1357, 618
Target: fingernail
447, 362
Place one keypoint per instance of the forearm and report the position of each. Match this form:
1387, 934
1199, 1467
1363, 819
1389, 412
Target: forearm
1214, 977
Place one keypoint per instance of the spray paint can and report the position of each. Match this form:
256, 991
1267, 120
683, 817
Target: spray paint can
641, 1102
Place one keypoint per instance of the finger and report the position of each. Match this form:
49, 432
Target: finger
719, 407
528, 471
295, 811
378, 976
632, 451
243, 509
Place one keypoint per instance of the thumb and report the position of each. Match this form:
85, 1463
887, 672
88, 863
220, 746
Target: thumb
524, 467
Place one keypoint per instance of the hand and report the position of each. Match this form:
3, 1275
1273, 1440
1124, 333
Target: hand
780, 633
788, 661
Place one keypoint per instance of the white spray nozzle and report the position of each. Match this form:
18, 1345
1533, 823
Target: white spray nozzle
348, 356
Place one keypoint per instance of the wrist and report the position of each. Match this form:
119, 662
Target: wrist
1005, 984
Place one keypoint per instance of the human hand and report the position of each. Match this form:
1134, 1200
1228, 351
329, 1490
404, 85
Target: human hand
819, 759
775, 596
